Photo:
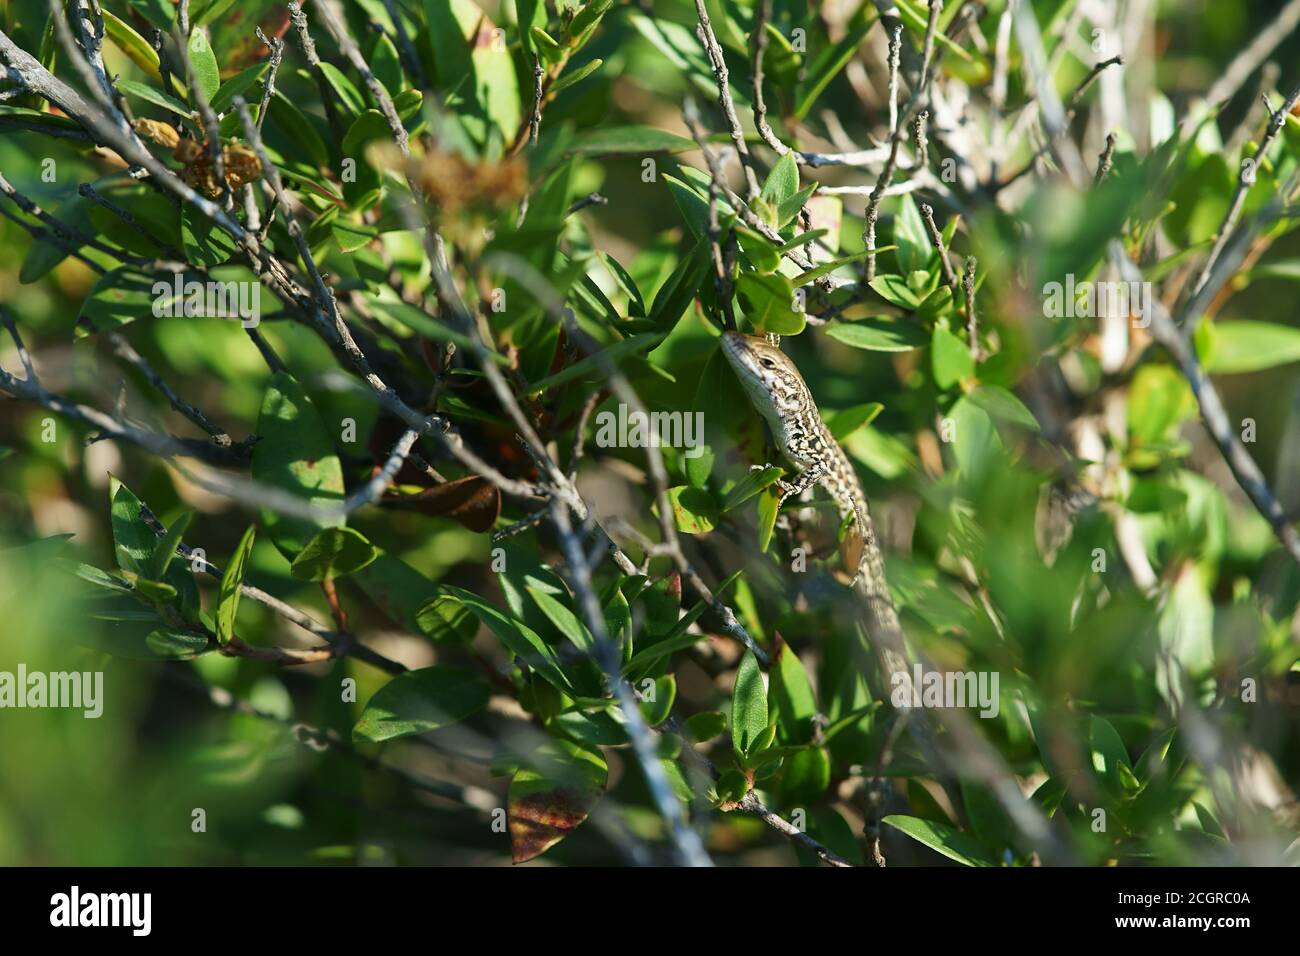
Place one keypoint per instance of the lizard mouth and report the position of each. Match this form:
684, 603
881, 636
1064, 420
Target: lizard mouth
733, 345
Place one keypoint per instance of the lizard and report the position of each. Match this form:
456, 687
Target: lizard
780, 395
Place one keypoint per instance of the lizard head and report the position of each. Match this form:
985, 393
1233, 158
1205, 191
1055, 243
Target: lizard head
769, 378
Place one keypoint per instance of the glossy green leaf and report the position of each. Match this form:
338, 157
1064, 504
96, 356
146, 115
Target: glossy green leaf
333, 553
421, 700
296, 455
748, 706
879, 334
943, 839
231, 581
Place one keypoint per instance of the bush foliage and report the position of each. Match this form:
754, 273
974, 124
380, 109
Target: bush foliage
351, 331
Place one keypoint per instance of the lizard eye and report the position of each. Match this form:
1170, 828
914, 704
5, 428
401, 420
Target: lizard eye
766, 363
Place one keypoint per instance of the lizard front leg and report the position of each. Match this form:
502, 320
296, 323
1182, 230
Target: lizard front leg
801, 482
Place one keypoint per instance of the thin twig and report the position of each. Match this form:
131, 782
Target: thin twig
1104, 159
1245, 180
722, 78
1252, 481
721, 273
972, 325
936, 240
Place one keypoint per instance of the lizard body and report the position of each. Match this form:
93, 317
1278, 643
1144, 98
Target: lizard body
779, 393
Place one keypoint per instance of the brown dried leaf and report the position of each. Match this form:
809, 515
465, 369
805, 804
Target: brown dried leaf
551, 796
164, 134
473, 501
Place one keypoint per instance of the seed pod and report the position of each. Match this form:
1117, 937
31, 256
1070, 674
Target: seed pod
187, 151
242, 165
202, 177
163, 134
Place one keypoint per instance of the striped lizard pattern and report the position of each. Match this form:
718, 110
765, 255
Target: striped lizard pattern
779, 393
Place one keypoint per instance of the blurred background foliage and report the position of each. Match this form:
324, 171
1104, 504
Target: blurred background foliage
1117, 693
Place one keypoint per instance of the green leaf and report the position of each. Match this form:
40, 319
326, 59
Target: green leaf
44, 254
1248, 346
133, 540
748, 706
350, 237
297, 456
1160, 400
333, 553
1108, 753
519, 639
636, 305
941, 838
911, 236
586, 21
595, 363
530, 15
914, 16
135, 545
894, 289
1208, 822
694, 509
806, 776
879, 334
750, 485
127, 630
119, 297
386, 64
156, 593
574, 77
102, 579
156, 97
165, 550
656, 707
416, 319
238, 85
844, 423
792, 697
705, 726
782, 182
789, 207
768, 506
231, 579
827, 66
552, 795
136, 47
298, 130
678, 292
550, 50
205, 243
768, 302
344, 89
206, 72
415, 602
629, 141
826, 268
481, 71
677, 637
1003, 406
950, 359
421, 700
565, 621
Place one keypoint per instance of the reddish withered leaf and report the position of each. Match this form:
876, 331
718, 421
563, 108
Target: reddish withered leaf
473, 501
552, 795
